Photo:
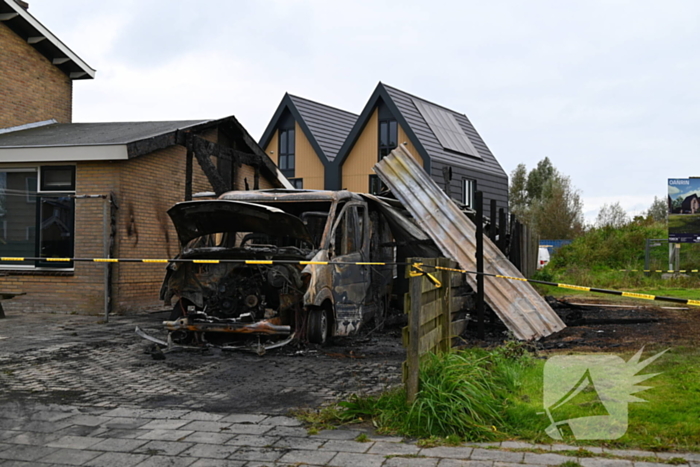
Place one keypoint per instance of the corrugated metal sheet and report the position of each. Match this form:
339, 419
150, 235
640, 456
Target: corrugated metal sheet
516, 303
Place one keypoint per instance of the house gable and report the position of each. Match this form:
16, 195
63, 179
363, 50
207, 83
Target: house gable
360, 151
36, 70
320, 132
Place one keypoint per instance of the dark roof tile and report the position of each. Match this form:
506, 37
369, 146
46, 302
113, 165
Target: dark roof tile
91, 134
405, 103
329, 126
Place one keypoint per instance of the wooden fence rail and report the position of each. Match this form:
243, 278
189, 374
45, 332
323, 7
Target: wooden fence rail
430, 306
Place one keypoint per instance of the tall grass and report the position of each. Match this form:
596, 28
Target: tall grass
464, 395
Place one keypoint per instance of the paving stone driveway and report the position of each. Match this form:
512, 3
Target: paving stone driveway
79, 361
41, 435
77, 392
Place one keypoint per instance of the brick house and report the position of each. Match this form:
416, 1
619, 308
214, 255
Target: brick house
334, 149
87, 190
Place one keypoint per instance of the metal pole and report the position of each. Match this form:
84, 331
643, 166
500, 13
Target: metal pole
670, 255
479, 201
493, 230
647, 254
502, 231
677, 257
105, 247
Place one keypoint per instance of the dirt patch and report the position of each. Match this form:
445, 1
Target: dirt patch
599, 325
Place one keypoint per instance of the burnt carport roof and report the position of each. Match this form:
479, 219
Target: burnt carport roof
326, 127
91, 134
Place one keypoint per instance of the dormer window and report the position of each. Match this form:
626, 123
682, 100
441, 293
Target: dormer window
388, 137
286, 152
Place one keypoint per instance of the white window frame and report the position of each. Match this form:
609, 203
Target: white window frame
468, 190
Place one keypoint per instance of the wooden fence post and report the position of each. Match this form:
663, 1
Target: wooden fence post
413, 357
446, 319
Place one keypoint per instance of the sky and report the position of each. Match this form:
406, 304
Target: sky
608, 90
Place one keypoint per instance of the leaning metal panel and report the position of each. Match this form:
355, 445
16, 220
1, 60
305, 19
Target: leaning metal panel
516, 303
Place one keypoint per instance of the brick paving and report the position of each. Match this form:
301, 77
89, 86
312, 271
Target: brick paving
85, 436
77, 360
77, 392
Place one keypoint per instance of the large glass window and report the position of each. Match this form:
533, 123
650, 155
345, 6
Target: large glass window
37, 219
388, 137
286, 152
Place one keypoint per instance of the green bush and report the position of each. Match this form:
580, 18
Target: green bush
608, 248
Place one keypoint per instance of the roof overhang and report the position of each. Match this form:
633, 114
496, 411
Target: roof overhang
380, 92
64, 154
288, 104
38, 36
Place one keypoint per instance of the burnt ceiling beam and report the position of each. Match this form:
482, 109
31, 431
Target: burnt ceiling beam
234, 155
203, 151
147, 146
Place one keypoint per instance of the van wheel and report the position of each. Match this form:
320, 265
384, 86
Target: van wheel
318, 326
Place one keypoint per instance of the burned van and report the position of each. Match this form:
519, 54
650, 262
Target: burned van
277, 265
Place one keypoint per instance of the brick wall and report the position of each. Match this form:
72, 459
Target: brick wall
32, 89
80, 291
145, 188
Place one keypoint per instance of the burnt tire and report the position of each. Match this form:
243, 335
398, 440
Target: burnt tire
177, 311
318, 326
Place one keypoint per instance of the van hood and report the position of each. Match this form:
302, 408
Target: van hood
194, 219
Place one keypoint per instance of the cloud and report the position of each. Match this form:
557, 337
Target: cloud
607, 89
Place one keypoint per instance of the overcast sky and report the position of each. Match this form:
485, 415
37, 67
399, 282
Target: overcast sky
608, 90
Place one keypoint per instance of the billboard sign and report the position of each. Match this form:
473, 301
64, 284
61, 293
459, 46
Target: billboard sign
684, 210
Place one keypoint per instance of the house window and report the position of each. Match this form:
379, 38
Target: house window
469, 188
376, 185
286, 152
388, 137
297, 183
37, 222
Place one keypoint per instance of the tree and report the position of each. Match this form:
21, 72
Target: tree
658, 209
613, 215
545, 200
677, 203
539, 177
518, 190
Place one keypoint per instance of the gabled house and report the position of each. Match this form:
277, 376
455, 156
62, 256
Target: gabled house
37, 70
303, 138
690, 204
443, 141
337, 149
96, 190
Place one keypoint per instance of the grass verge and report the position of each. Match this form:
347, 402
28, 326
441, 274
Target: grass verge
490, 395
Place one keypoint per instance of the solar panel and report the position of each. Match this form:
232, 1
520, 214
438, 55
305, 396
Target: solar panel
446, 128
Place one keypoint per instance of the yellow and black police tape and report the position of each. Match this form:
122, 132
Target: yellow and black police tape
417, 269
684, 301
682, 271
